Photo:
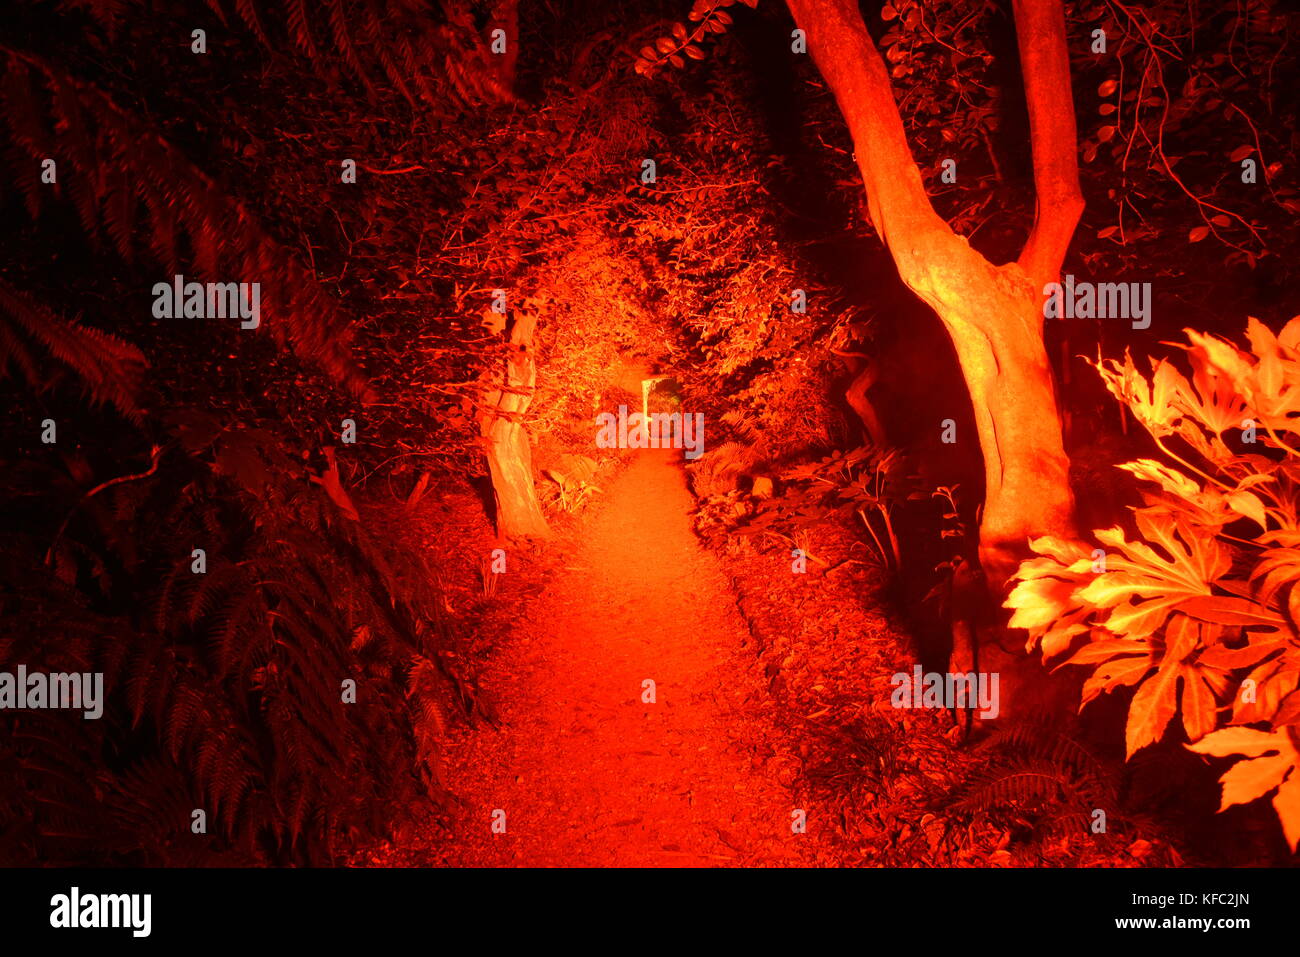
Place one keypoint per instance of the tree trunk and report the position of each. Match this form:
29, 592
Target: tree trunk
998, 335
509, 455
992, 313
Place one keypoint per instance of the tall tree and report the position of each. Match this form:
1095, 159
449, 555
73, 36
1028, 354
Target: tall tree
994, 314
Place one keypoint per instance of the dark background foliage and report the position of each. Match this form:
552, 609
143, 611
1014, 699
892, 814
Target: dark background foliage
178, 435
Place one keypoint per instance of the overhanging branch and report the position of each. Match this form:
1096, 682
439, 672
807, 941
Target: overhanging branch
1045, 66
900, 209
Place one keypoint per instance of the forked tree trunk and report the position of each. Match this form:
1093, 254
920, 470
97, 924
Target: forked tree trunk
509, 455
995, 320
992, 313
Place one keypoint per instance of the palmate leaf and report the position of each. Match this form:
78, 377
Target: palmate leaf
1046, 598
1152, 403
1270, 761
1181, 494
1212, 398
1124, 662
1264, 382
1228, 386
1167, 619
1142, 588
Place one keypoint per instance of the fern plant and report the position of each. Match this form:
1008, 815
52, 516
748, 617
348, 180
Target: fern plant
108, 369
127, 181
293, 689
425, 50
1033, 774
1200, 613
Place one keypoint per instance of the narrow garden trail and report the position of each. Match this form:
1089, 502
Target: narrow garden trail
585, 769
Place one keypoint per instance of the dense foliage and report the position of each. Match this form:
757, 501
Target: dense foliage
276, 685
1199, 611
476, 173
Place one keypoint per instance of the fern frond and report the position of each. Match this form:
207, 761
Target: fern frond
109, 369
113, 150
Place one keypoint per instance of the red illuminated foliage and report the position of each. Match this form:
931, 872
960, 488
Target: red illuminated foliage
481, 172
1205, 599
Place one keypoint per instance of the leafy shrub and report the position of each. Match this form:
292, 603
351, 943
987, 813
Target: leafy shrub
1200, 613
862, 481
223, 690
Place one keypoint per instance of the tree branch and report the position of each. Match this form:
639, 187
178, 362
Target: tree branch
1045, 66
900, 209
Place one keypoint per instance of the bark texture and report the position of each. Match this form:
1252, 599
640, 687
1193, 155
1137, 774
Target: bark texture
992, 313
509, 453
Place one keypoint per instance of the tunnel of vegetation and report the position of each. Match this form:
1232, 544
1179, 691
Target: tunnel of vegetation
469, 249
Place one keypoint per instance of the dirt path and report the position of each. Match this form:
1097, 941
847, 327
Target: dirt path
586, 771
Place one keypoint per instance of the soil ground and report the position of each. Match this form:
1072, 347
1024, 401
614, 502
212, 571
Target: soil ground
771, 704
586, 769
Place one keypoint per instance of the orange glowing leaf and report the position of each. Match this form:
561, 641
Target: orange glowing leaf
1150, 710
